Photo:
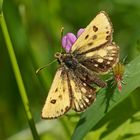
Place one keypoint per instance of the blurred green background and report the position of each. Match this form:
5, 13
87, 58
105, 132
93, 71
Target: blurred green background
34, 27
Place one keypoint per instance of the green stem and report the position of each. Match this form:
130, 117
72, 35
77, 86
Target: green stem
18, 77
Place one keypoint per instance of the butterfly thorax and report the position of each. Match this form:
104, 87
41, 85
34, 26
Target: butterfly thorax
67, 59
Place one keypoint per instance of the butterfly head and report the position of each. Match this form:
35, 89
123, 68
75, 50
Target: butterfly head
66, 59
58, 56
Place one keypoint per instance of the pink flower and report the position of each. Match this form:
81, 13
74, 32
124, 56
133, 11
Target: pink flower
80, 31
69, 39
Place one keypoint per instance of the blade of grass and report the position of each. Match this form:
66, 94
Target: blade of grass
18, 77
96, 112
1, 3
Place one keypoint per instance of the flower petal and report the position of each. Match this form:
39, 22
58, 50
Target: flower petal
63, 41
80, 31
71, 38
68, 40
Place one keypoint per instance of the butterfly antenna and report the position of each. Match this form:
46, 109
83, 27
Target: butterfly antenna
62, 33
38, 70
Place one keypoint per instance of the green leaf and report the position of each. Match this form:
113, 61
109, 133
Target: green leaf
1, 3
108, 99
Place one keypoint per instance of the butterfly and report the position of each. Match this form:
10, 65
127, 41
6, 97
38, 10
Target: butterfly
92, 54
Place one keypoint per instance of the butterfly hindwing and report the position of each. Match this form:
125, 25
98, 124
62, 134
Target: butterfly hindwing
83, 94
100, 60
88, 76
96, 34
58, 101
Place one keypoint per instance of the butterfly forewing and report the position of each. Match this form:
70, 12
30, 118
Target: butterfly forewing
58, 101
83, 94
101, 60
97, 33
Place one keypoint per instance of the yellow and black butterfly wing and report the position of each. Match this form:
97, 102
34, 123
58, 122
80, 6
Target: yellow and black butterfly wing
82, 93
94, 48
102, 59
96, 34
67, 91
59, 98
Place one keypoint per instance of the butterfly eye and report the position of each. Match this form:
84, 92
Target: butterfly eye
57, 55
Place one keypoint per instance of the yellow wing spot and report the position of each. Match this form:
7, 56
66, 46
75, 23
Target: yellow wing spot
87, 100
72, 83
81, 105
113, 52
90, 54
100, 60
84, 84
110, 58
108, 62
96, 65
102, 53
110, 47
89, 96
83, 90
